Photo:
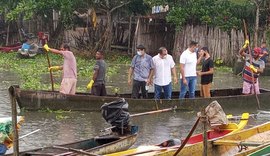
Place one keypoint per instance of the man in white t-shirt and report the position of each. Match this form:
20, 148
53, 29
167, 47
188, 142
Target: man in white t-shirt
164, 67
188, 63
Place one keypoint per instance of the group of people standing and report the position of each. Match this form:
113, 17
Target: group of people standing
160, 71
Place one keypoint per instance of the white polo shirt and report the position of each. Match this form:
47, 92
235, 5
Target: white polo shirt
189, 59
162, 70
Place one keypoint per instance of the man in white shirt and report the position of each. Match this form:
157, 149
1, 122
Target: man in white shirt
188, 63
164, 67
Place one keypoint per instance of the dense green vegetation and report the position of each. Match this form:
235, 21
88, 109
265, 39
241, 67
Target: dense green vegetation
221, 13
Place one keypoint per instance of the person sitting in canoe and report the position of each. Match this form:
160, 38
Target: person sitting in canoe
25, 47
69, 79
252, 69
97, 83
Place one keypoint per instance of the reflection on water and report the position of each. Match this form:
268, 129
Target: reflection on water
73, 126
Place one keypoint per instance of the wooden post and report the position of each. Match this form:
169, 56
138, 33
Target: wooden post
129, 33
203, 119
12, 95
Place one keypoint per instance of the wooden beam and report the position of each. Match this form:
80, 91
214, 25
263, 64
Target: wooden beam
236, 143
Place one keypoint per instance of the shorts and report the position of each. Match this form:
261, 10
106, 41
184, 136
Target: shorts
68, 86
248, 88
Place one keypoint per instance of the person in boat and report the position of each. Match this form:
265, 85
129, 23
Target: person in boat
170, 143
252, 69
206, 73
97, 83
264, 52
188, 64
141, 68
164, 67
69, 77
25, 47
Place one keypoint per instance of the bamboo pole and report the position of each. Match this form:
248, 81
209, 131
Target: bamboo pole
252, 74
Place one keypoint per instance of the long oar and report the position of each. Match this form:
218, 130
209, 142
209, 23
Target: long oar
29, 133
49, 64
187, 138
145, 113
252, 74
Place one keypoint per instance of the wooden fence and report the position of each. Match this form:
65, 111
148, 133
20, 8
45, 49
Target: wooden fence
222, 45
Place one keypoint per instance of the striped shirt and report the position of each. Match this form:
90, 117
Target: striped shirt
247, 75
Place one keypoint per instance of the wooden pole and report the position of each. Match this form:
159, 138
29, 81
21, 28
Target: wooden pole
252, 74
49, 64
187, 138
203, 117
12, 95
129, 33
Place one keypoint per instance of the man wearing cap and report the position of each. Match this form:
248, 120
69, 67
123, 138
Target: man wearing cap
188, 64
141, 68
252, 69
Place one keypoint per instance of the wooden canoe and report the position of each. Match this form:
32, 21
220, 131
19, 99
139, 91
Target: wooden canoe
261, 152
239, 143
195, 140
11, 48
97, 146
227, 98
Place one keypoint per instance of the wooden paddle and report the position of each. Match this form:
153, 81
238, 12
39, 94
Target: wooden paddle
252, 74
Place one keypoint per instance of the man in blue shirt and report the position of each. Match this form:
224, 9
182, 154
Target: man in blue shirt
141, 68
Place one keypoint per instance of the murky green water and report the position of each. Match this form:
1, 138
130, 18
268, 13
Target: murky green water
73, 126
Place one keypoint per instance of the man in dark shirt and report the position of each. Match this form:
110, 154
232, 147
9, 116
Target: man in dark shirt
264, 52
206, 73
97, 84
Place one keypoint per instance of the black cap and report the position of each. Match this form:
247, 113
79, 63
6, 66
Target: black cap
140, 47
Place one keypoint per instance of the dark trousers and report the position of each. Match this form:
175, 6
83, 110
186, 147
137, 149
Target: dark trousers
99, 90
137, 87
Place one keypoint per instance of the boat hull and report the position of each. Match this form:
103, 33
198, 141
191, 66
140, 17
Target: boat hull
93, 146
227, 98
233, 144
194, 146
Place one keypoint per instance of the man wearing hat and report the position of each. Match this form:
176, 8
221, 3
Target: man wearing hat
252, 69
141, 68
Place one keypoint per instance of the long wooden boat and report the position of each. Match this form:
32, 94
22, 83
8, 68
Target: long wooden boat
227, 98
98, 145
240, 143
11, 48
193, 140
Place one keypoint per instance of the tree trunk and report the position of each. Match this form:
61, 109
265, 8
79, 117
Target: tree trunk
108, 37
256, 24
